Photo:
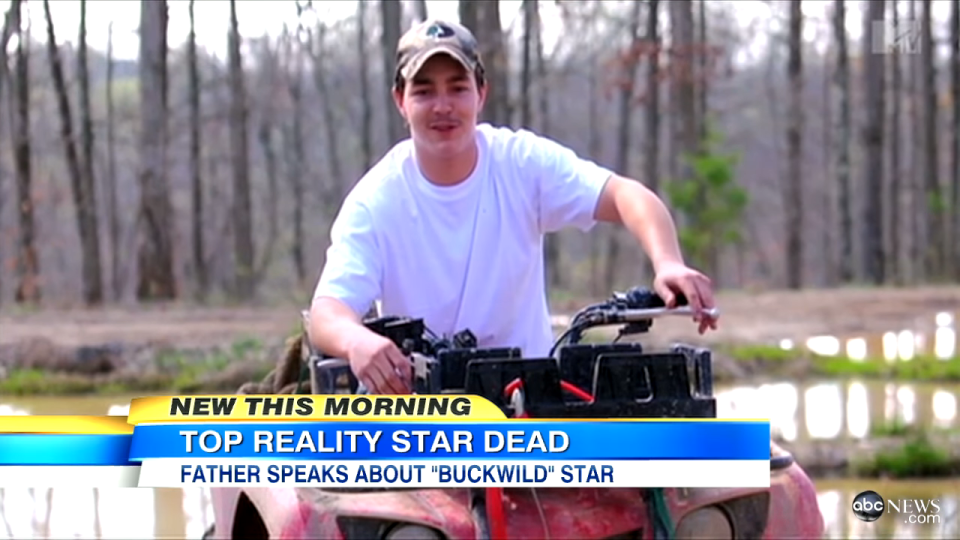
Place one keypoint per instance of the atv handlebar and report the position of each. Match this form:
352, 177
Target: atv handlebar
636, 308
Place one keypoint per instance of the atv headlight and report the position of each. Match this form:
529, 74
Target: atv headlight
710, 522
412, 532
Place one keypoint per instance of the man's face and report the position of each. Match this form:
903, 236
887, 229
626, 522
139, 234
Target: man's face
441, 103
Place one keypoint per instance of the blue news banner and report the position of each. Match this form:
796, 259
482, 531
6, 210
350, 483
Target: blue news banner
444, 454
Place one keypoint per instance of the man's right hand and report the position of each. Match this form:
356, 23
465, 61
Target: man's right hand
380, 365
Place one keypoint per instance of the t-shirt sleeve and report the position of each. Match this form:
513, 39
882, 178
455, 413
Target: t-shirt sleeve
352, 273
568, 186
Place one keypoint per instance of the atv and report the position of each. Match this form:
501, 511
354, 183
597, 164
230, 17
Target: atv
614, 379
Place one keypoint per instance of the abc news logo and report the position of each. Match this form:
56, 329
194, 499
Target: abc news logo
869, 506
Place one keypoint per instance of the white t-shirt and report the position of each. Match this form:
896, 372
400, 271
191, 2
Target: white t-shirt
468, 256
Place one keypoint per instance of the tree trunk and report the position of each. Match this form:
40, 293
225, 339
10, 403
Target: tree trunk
895, 183
83, 195
651, 164
295, 172
86, 138
630, 61
703, 57
842, 142
684, 96
493, 48
113, 218
935, 207
529, 8
793, 194
390, 17
28, 264
366, 122
919, 209
11, 23
330, 123
196, 157
156, 280
420, 7
955, 161
871, 228
594, 140
240, 158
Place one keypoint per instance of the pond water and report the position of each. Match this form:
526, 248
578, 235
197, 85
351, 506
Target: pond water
819, 410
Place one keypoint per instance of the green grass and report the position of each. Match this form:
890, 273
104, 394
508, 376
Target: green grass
172, 371
917, 457
769, 360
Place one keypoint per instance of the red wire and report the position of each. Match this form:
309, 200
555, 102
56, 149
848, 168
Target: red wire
577, 391
513, 385
495, 513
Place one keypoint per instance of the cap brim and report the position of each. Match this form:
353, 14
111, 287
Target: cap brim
417, 62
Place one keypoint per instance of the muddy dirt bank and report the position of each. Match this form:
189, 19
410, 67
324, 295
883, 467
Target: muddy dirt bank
746, 317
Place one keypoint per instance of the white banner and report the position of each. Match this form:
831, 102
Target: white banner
69, 476
454, 473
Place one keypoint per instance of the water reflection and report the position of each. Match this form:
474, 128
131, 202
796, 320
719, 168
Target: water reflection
841, 409
937, 338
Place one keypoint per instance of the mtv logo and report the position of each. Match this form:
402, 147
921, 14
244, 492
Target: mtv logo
900, 38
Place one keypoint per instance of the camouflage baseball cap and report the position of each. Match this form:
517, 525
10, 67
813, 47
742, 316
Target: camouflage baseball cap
432, 37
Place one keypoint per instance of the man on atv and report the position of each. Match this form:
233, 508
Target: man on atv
449, 225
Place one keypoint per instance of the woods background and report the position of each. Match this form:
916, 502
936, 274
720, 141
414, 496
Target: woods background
796, 149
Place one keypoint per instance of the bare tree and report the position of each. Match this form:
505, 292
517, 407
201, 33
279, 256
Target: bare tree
842, 140
240, 160
493, 48
11, 24
703, 66
113, 218
366, 121
895, 186
651, 163
652, 139
318, 54
420, 7
296, 157
529, 8
28, 264
196, 157
793, 194
936, 207
156, 279
390, 17
630, 61
86, 120
871, 228
83, 194
955, 161
684, 94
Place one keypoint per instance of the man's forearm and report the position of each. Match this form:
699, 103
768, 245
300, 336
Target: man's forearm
642, 213
334, 327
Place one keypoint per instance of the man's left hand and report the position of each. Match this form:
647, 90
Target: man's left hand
697, 288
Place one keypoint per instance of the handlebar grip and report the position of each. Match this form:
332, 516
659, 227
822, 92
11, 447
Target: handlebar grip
643, 298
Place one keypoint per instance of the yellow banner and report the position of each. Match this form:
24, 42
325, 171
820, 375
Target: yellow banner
218, 408
73, 425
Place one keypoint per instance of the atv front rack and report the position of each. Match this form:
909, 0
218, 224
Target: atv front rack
611, 380
622, 379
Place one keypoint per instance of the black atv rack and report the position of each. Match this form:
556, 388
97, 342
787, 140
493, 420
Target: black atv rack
624, 380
